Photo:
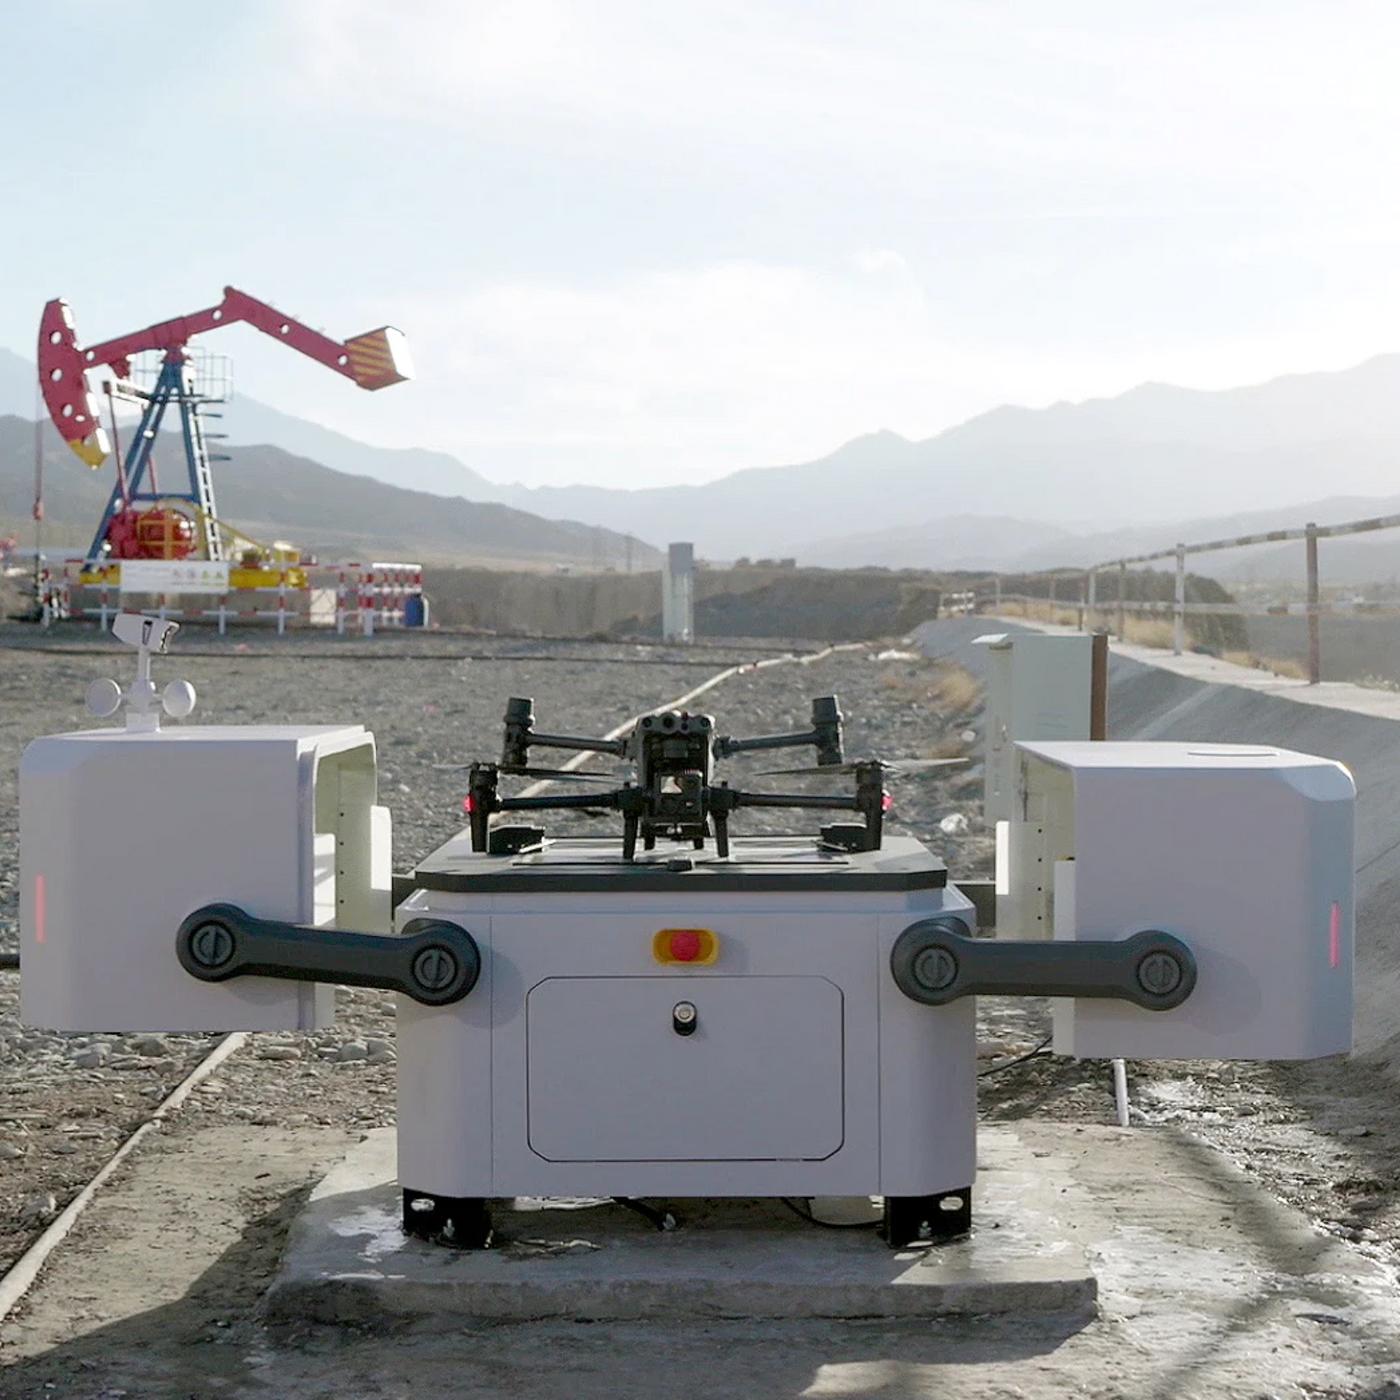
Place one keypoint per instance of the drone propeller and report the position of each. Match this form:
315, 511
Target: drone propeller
562, 775
894, 767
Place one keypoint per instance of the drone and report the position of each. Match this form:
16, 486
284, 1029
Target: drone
671, 792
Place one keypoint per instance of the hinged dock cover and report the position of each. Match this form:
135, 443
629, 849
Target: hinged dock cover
1243, 852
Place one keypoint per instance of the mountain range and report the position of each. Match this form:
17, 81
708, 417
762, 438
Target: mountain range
271, 494
1013, 488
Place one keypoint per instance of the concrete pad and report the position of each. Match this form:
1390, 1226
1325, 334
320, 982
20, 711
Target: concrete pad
347, 1259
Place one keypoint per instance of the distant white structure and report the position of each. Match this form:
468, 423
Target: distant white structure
678, 594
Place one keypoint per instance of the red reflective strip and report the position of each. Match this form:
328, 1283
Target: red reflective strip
41, 911
1334, 935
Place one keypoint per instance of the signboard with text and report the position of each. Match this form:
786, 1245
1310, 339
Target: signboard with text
173, 576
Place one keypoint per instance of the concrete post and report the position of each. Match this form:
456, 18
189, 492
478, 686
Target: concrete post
1179, 607
1081, 605
678, 594
1314, 621
1098, 686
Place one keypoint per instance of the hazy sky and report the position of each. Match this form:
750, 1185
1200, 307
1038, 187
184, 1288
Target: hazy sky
636, 241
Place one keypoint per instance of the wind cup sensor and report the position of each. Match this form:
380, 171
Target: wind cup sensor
149, 635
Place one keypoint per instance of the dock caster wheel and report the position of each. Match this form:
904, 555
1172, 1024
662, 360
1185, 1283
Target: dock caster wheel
927, 1219
460, 1222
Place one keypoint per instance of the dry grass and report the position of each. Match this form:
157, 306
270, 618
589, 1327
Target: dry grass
1277, 665
944, 685
958, 691
1142, 631
945, 748
1151, 632
1160, 633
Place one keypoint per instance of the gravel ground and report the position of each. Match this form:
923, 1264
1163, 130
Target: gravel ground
67, 1101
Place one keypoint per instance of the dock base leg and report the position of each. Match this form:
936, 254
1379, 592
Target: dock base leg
460, 1222
922, 1219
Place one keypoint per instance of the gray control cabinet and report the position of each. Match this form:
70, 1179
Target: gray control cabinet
805, 1071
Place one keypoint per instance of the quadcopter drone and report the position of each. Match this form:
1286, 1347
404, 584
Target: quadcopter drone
672, 793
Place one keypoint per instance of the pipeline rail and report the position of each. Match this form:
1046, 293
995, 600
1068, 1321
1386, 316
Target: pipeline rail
343, 598
244, 657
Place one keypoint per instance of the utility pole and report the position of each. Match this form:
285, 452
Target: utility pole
38, 497
1314, 605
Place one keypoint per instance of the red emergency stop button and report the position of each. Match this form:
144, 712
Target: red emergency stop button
685, 946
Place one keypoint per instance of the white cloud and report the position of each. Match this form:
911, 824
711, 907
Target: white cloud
1249, 95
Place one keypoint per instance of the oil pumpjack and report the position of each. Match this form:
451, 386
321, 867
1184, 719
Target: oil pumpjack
142, 520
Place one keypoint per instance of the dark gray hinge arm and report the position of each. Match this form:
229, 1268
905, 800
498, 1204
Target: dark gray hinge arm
935, 961
435, 962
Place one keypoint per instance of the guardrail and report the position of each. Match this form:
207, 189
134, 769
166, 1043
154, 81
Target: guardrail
360, 597
1178, 609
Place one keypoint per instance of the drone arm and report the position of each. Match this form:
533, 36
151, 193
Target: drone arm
578, 744
564, 799
726, 746
868, 800
520, 737
793, 799
824, 735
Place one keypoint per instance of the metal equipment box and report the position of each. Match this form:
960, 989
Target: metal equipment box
1038, 687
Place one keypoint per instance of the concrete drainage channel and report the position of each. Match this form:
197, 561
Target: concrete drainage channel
21, 1276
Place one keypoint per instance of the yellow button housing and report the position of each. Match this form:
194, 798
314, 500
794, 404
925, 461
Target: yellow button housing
685, 947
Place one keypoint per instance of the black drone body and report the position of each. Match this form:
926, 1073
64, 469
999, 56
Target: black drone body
672, 793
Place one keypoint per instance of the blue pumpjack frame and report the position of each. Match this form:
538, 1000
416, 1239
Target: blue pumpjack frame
171, 386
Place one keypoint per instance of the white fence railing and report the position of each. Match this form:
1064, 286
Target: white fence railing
1087, 603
